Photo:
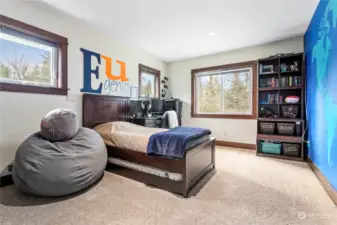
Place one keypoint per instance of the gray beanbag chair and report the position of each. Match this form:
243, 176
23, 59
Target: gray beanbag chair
59, 125
48, 168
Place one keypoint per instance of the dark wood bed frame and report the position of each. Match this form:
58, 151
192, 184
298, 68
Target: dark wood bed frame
197, 166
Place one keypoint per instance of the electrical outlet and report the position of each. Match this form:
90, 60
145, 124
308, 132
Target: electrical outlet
225, 133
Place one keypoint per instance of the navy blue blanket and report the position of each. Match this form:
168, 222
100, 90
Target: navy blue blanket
172, 143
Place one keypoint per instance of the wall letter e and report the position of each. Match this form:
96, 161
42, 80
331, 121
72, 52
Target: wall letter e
87, 71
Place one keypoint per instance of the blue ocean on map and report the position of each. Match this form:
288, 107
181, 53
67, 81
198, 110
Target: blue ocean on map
321, 62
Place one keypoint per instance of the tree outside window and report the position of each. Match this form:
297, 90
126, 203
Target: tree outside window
224, 91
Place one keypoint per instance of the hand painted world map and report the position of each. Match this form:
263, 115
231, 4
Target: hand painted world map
321, 52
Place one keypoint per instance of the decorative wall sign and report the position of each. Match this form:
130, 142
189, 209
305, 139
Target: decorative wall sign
148, 83
134, 92
113, 85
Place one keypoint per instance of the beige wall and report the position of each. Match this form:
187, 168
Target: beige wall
20, 114
233, 130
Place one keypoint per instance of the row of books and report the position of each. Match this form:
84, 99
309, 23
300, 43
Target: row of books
273, 99
269, 82
290, 81
272, 82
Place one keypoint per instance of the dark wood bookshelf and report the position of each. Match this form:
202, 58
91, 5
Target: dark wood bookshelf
280, 88
290, 72
268, 74
280, 120
272, 85
291, 88
279, 156
284, 103
268, 89
281, 138
292, 55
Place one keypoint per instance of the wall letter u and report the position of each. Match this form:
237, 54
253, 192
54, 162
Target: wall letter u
108, 69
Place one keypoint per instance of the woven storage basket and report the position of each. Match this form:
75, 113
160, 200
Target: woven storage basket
267, 128
291, 149
286, 128
289, 111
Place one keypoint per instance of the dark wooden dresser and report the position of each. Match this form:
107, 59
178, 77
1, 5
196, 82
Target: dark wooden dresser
147, 121
159, 107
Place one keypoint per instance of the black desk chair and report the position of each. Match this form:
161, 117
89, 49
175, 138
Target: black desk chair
163, 123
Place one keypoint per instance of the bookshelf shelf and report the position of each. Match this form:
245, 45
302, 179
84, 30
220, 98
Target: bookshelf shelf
279, 156
280, 88
268, 137
290, 72
283, 103
291, 88
268, 89
269, 74
280, 120
273, 90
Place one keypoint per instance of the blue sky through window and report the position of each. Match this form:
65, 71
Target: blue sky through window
31, 55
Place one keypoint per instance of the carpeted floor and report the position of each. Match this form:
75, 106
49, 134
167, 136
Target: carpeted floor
245, 190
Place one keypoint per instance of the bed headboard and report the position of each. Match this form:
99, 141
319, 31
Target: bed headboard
98, 109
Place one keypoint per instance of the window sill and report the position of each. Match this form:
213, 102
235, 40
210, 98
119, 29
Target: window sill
32, 89
220, 116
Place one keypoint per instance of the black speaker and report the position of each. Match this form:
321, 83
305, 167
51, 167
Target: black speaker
133, 107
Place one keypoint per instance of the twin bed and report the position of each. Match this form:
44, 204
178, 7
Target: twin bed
127, 143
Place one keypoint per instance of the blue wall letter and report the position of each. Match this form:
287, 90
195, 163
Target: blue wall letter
87, 71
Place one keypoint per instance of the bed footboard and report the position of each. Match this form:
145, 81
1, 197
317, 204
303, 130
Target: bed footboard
199, 163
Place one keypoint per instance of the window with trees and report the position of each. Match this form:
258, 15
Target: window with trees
227, 91
149, 82
32, 60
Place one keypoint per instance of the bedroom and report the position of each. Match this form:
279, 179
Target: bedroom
245, 188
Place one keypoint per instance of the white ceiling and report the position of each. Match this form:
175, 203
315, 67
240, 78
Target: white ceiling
180, 29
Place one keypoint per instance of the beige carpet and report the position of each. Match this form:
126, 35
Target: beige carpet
246, 190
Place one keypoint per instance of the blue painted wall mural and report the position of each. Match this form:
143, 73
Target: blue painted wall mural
321, 61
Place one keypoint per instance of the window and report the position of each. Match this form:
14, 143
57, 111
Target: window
32, 60
227, 91
149, 82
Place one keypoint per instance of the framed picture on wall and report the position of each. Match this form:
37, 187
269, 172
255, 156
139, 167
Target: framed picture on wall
149, 82
134, 92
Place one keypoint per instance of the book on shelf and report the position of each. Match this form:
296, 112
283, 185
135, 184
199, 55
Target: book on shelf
269, 82
273, 98
281, 99
290, 81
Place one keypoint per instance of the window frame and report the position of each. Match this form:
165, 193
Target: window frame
62, 48
143, 68
234, 66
